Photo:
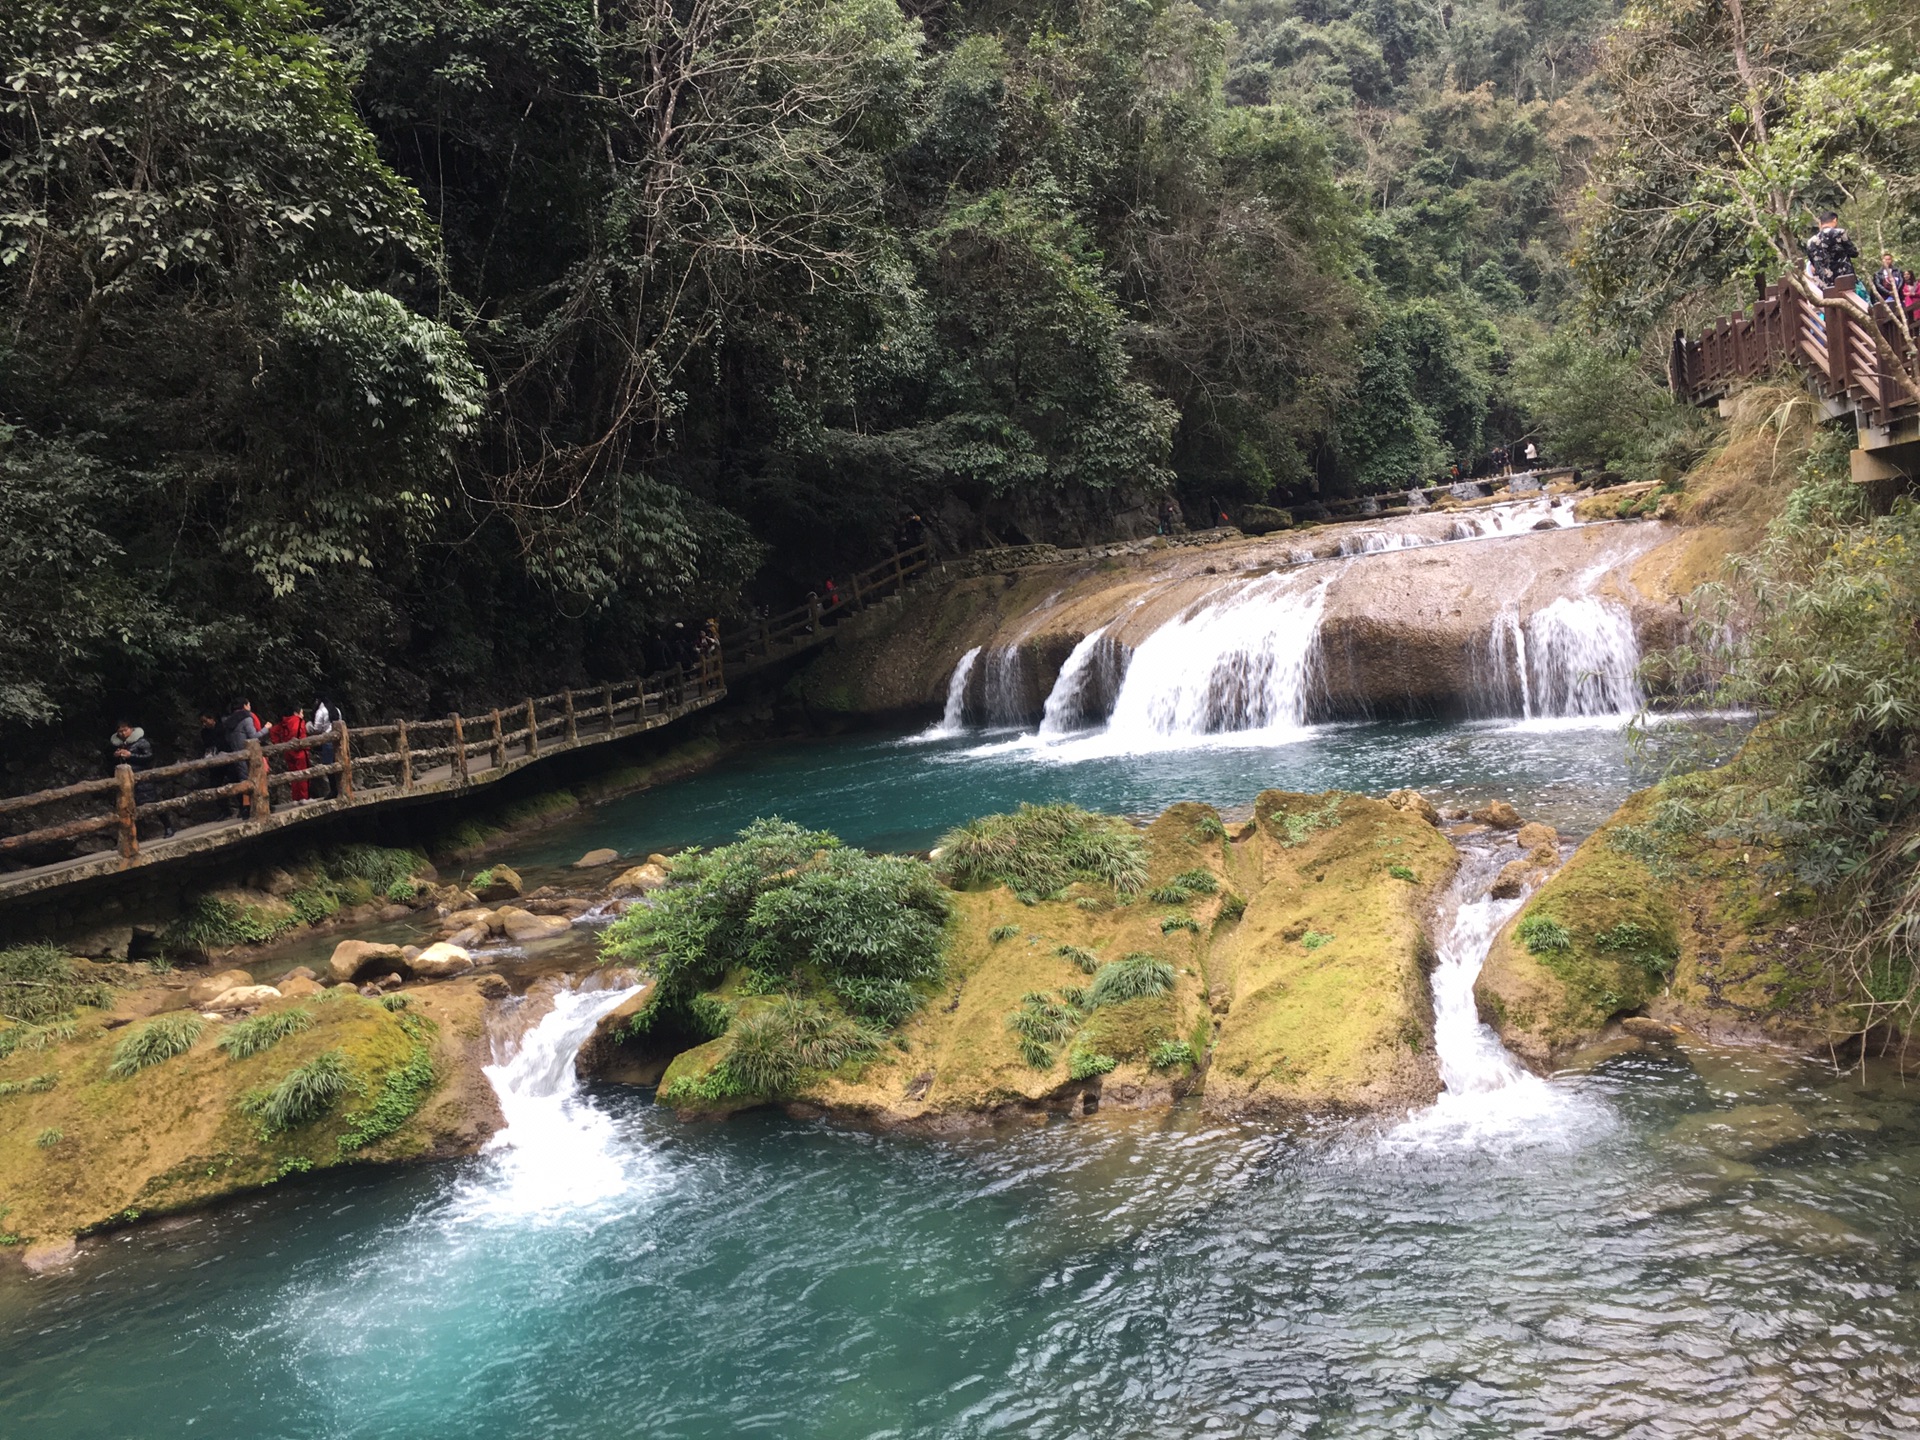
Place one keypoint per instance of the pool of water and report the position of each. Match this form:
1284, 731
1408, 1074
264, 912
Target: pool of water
899, 792
1121, 1276
1715, 1243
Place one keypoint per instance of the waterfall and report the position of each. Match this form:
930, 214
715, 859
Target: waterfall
1006, 695
1489, 1100
1575, 658
1373, 542
558, 1154
1084, 692
1513, 519
954, 719
1241, 660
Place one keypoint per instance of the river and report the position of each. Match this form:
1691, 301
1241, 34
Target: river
1721, 1244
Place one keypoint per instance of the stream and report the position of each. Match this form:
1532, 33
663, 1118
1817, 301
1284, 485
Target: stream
1725, 1243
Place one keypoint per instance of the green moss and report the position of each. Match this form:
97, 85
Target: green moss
1291, 821
1403, 872
1314, 939
403, 1089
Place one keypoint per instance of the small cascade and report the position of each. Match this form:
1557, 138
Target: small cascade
1575, 658
1242, 660
1490, 1100
1373, 542
1084, 693
558, 1155
954, 719
1542, 514
1006, 693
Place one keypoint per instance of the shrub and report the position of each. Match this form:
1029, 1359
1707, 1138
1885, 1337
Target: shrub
303, 1096
262, 1032
39, 984
313, 904
1208, 827
157, 1040
480, 881
1314, 939
1199, 880
1085, 1064
1542, 934
380, 868
1403, 872
1002, 932
1080, 956
1039, 850
770, 1050
1169, 1053
1132, 977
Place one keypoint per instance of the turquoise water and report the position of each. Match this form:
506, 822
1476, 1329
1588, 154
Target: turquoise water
1722, 1244
901, 792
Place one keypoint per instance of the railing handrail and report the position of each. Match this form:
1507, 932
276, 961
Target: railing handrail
646, 700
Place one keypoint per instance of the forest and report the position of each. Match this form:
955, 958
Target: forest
421, 351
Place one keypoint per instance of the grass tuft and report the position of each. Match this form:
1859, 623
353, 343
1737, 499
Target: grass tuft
38, 984
263, 1032
303, 1095
1544, 935
1039, 850
1080, 956
157, 1040
1131, 977
38, 1084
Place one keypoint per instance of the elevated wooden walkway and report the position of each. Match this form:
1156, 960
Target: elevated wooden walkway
1859, 360
780, 637
373, 765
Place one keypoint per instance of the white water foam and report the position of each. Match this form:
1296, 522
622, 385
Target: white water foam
1514, 519
953, 720
560, 1158
1575, 660
1073, 700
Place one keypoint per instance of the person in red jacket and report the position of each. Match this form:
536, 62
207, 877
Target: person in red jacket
292, 726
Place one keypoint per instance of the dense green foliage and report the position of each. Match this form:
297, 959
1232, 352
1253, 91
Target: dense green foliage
1039, 850
428, 352
795, 911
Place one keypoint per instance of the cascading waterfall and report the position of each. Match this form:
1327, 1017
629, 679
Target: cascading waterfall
1574, 658
1373, 542
1084, 693
1514, 519
1490, 1100
558, 1155
954, 718
1006, 694
1242, 660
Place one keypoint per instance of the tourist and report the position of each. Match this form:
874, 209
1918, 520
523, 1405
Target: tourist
1831, 253
325, 717
1533, 454
239, 727
912, 532
1166, 515
833, 593
289, 727
1500, 466
131, 748
1889, 281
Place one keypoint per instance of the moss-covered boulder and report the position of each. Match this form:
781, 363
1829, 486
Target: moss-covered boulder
89, 1137
1647, 920
1321, 989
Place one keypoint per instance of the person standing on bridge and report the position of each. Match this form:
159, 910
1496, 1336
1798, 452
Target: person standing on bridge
238, 727
292, 726
1831, 252
1532, 454
131, 747
325, 717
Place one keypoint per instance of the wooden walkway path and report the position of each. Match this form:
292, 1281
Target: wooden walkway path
373, 765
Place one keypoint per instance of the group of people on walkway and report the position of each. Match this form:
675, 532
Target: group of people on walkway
229, 733
1831, 254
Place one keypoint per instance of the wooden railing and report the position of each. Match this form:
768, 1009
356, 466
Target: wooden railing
755, 644
1856, 354
372, 764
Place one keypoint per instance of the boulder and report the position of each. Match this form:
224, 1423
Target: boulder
639, 880
205, 992
1535, 836
299, 988
1414, 801
243, 997
571, 906
109, 942
494, 987
1499, 814
467, 939
346, 985
353, 958
594, 859
441, 961
299, 972
522, 927
1511, 881
503, 883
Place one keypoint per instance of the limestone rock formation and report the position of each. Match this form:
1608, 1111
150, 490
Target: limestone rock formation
351, 959
594, 859
441, 961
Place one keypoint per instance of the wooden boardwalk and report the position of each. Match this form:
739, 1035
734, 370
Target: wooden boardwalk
373, 765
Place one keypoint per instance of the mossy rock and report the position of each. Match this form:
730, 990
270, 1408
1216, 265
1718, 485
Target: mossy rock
1324, 980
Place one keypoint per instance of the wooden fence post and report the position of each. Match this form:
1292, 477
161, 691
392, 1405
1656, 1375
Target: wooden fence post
459, 748
343, 752
859, 603
573, 732
606, 698
533, 732
257, 774
406, 760
499, 748
129, 814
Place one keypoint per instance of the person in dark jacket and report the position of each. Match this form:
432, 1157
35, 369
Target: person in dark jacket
1831, 252
129, 746
237, 727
